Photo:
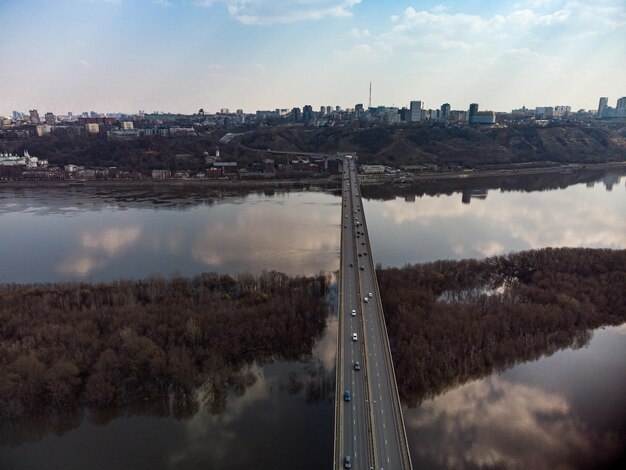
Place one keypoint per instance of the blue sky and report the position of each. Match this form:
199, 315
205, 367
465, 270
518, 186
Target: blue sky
182, 55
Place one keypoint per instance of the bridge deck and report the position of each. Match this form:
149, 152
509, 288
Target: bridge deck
369, 428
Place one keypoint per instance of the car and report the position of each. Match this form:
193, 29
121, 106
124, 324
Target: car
357, 366
366, 299
351, 265
353, 312
345, 226
370, 295
360, 255
362, 268
346, 396
354, 337
362, 243
347, 462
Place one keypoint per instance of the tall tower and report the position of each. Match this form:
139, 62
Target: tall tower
370, 101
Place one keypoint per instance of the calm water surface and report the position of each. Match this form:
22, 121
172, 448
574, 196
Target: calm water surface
72, 234
565, 409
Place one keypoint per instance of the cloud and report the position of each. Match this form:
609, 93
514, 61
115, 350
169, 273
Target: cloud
359, 33
532, 23
83, 63
163, 3
267, 12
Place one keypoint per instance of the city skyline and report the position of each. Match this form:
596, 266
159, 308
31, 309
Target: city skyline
180, 56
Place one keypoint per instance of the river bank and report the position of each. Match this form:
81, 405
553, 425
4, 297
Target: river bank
328, 182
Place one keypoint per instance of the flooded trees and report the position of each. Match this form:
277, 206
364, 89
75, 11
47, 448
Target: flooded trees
452, 321
67, 344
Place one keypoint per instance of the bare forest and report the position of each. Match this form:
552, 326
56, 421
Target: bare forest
66, 345
453, 321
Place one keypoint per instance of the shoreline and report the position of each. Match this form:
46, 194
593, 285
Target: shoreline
329, 182
368, 180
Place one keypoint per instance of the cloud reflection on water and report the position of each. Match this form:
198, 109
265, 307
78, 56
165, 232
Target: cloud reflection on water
493, 423
504, 221
111, 240
285, 239
97, 247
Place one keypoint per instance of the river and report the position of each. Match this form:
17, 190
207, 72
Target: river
564, 409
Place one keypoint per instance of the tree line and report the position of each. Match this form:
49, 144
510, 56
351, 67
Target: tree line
454, 321
69, 344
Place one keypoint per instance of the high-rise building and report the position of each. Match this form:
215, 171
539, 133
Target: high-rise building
34, 116
415, 108
621, 103
329, 109
473, 109
359, 111
602, 105
445, 112
307, 113
296, 114
50, 119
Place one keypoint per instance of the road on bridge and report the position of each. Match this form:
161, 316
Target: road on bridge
369, 428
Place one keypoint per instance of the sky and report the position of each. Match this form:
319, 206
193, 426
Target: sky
183, 55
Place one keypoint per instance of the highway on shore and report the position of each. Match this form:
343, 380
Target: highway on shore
369, 428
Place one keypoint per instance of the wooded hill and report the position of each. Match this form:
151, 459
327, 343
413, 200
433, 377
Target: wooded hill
451, 146
443, 146
454, 321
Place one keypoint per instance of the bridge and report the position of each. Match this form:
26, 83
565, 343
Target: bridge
369, 427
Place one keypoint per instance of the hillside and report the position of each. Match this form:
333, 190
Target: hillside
450, 146
395, 146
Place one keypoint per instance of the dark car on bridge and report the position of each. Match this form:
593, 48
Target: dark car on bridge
346, 396
347, 462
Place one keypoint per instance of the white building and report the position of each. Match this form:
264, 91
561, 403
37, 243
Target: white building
43, 129
92, 128
372, 169
7, 159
